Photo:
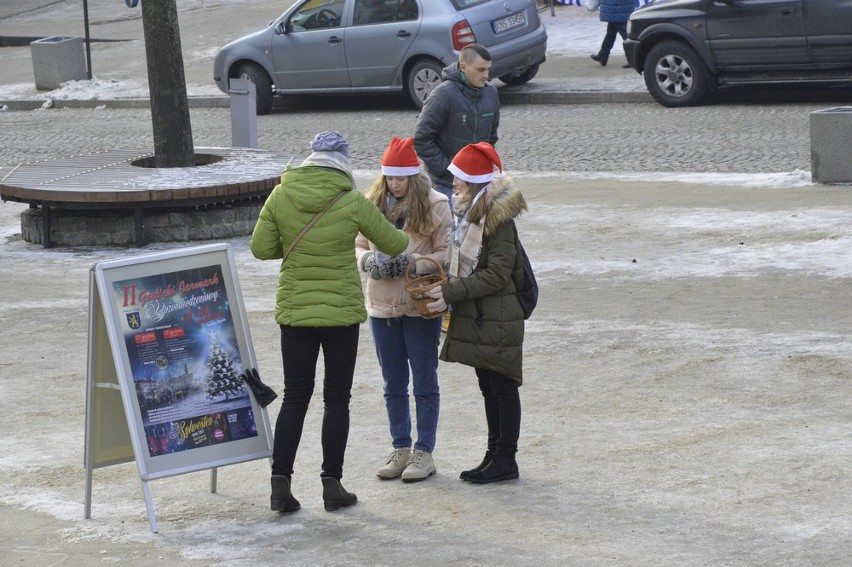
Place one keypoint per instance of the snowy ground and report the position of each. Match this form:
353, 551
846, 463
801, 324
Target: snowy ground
686, 403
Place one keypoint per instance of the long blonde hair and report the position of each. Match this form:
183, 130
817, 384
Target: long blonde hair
416, 204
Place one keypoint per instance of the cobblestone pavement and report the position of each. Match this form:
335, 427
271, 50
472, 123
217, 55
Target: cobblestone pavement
741, 138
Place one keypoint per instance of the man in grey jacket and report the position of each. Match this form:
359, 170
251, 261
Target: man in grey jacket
464, 109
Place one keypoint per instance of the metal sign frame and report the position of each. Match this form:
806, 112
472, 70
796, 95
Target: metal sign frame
157, 323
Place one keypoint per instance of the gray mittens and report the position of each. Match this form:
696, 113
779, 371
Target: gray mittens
390, 269
394, 268
368, 264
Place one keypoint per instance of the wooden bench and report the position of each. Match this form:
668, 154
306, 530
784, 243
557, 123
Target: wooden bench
122, 180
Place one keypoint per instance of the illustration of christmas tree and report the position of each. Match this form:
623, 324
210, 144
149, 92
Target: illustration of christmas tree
223, 382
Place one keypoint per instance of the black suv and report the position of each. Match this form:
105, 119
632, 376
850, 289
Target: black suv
687, 48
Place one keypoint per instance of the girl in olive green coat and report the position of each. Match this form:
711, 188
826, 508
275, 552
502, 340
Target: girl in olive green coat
487, 327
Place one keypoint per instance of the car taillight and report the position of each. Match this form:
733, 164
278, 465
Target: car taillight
462, 35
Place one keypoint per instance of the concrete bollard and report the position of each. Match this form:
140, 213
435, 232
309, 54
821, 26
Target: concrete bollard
56, 60
831, 153
243, 113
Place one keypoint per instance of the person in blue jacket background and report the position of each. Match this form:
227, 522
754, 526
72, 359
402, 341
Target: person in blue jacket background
615, 13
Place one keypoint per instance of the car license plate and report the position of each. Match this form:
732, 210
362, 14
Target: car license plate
509, 22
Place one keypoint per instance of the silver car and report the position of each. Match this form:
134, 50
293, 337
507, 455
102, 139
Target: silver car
376, 46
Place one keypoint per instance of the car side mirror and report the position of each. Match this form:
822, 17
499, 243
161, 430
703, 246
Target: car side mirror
282, 28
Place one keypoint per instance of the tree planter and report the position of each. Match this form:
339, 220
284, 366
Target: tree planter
57, 60
831, 154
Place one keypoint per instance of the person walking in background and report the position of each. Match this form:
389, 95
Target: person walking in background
615, 13
319, 302
463, 109
404, 339
487, 329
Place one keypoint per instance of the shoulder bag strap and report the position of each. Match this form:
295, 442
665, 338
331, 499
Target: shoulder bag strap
309, 225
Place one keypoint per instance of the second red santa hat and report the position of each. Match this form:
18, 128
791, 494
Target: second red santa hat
475, 163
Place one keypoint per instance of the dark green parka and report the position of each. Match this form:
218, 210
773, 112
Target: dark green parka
487, 326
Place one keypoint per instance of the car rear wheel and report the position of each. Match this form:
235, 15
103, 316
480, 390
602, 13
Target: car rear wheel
424, 76
520, 77
262, 85
675, 75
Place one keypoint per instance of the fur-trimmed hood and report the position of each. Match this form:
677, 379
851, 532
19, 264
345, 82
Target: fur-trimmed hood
506, 202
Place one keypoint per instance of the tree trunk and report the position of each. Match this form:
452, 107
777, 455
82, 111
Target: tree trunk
167, 85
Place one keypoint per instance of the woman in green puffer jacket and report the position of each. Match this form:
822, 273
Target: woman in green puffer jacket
319, 303
487, 327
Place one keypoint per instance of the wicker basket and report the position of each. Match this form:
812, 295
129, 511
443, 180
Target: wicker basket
417, 286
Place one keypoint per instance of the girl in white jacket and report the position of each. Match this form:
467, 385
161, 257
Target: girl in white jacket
406, 343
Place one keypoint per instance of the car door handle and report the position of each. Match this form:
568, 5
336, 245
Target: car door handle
786, 11
334, 39
403, 33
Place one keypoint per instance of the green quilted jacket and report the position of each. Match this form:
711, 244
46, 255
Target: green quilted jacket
319, 284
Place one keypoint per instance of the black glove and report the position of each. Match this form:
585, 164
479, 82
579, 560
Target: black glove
262, 393
394, 268
368, 264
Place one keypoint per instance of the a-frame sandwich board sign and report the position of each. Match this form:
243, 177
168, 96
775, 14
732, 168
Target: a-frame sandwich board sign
168, 339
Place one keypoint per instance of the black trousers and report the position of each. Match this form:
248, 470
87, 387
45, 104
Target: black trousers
300, 348
612, 29
502, 411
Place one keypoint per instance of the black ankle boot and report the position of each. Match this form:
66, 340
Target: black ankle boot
501, 467
600, 59
334, 495
282, 499
485, 460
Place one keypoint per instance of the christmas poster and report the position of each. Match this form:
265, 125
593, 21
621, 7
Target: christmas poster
184, 359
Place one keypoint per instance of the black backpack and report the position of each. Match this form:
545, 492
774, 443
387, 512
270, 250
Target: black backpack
527, 288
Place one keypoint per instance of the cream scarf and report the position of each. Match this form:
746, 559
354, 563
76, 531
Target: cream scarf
467, 239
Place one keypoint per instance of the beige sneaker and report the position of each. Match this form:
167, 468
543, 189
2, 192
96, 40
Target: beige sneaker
421, 467
397, 461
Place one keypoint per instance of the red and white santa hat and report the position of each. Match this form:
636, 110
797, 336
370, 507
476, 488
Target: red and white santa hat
400, 159
475, 163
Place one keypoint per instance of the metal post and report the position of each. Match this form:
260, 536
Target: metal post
243, 113
88, 40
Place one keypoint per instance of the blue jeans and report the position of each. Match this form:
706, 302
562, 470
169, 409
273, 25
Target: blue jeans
404, 342
300, 347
